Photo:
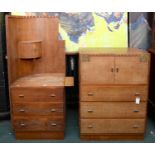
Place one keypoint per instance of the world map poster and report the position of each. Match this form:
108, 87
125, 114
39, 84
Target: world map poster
90, 29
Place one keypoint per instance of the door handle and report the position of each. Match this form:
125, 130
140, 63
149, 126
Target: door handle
112, 69
117, 70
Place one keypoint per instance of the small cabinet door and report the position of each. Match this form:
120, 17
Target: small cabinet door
96, 69
131, 69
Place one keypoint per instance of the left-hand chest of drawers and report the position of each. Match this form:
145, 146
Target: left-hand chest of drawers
36, 69
38, 110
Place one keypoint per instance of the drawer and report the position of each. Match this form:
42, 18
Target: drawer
37, 94
112, 125
40, 108
113, 93
112, 110
38, 124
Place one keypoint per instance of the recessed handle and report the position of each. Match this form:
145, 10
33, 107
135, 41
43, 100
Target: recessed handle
22, 110
53, 110
53, 124
90, 110
22, 124
90, 94
52, 95
21, 95
135, 126
135, 110
90, 126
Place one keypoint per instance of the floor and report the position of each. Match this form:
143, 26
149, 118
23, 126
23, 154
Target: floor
72, 132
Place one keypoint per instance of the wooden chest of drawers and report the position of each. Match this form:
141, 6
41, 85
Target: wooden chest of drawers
36, 68
113, 93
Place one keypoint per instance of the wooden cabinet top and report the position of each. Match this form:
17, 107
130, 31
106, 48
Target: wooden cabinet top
111, 51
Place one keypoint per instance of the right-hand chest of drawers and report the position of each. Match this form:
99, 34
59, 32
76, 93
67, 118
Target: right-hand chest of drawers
113, 93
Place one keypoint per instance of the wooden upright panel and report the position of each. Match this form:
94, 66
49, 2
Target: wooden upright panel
33, 33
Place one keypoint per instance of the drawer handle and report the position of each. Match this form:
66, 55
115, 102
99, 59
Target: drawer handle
21, 95
90, 94
90, 111
22, 124
90, 126
137, 94
53, 110
135, 110
53, 124
136, 126
52, 95
22, 110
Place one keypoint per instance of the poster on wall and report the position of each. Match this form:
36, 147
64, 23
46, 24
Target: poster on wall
90, 29
139, 30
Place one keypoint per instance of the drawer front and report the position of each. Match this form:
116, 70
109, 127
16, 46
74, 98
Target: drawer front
112, 110
112, 125
37, 94
38, 124
113, 93
52, 109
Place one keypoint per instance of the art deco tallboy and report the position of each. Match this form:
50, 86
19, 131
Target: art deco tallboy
113, 93
36, 67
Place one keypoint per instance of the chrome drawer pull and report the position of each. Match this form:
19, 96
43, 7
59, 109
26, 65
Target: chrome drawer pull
22, 110
53, 110
90, 94
90, 126
22, 124
135, 110
136, 126
53, 124
52, 95
137, 94
21, 95
90, 110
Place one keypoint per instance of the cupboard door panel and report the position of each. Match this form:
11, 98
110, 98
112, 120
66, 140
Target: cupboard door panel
131, 69
96, 69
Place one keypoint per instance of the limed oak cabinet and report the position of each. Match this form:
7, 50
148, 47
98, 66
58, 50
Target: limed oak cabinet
113, 93
37, 80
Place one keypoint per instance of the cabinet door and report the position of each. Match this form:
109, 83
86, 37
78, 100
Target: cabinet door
96, 69
131, 69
